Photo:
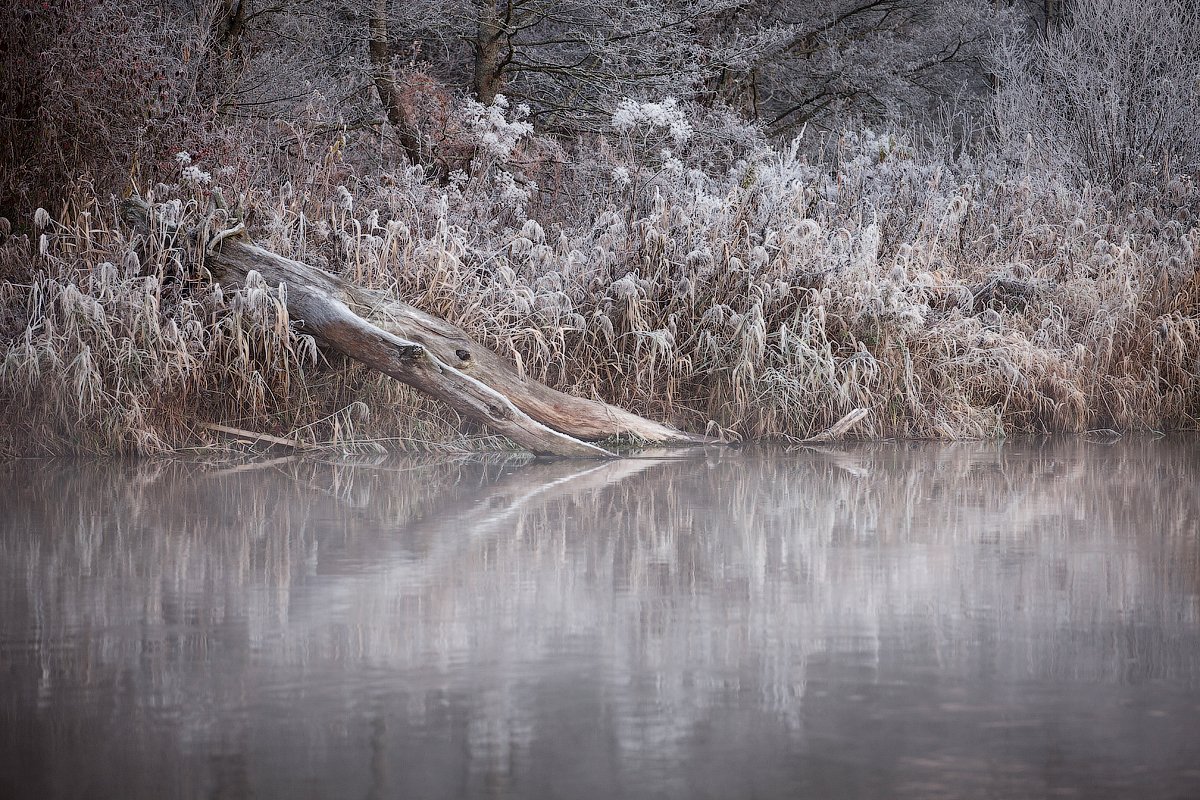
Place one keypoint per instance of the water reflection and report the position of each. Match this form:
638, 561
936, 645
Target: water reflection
970, 620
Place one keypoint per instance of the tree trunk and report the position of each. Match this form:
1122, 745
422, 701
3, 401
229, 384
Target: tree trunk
385, 83
582, 418
488, 78
431, 355
314, 301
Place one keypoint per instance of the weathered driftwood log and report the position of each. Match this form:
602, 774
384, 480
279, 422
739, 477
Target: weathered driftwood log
582, 418
428, 355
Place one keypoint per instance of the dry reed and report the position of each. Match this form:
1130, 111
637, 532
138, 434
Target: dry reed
765, 298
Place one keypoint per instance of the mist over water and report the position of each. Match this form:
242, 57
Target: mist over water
903, 620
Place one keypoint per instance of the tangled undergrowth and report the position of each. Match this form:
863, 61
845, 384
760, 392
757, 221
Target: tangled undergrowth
756, 292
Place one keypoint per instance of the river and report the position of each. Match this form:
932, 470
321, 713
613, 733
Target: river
901, 620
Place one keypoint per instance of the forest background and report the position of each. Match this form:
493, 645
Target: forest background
966, 218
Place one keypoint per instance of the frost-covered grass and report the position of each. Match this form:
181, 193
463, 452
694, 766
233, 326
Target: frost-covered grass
714, 282
115, 345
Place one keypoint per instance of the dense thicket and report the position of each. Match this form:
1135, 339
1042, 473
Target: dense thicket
745, 217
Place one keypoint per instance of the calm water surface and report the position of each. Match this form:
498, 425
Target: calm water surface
901, 621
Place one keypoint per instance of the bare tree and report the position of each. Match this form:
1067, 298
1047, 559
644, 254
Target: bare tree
1112, 95
863, 57
783, 62
573, 60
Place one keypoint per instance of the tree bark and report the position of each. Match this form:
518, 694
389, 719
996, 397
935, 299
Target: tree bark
488, 78
312, 299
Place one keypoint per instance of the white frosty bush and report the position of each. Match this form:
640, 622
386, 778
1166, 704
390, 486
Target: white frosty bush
497, 135
195, 176
667, 114
513, 194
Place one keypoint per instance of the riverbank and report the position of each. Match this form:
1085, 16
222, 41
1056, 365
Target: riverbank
762, 295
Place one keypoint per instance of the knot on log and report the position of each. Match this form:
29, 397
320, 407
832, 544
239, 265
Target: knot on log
498, 412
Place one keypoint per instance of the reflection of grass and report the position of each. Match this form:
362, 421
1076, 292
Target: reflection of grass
870, 536
769, 306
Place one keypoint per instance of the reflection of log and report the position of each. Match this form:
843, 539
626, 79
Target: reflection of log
454, 528
430, 355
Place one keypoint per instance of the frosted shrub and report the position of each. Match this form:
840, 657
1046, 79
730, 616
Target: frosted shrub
496, 130
92, 88
665, 115
512, 195
195, 176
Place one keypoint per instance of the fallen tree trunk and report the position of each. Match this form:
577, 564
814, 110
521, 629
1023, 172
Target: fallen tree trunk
582, 418
428, 354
